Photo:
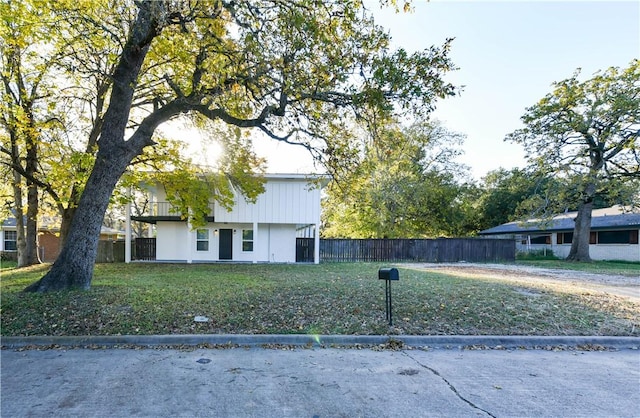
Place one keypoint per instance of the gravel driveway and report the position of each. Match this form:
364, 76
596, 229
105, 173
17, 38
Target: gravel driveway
627, 287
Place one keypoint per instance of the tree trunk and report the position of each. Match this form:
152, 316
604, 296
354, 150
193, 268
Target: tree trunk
65, 224
31, 248
21, 240
33, 204
74, 266
581, 233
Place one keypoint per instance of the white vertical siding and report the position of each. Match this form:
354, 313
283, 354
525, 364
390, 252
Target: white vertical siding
284, 201
282, 244
171, 241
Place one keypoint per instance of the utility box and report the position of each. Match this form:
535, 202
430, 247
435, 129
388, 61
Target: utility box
388, 274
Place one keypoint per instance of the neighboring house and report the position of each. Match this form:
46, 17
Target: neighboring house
614, 234
265, 231
8, 235
48, 237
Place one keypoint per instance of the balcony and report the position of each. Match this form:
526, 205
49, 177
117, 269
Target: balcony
165, 211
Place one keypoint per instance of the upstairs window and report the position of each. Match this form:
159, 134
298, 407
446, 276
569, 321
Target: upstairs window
202, 240
247, 240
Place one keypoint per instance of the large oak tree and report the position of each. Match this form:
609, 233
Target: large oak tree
298, 71
586, 133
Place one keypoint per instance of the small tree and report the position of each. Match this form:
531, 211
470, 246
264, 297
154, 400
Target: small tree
586, 133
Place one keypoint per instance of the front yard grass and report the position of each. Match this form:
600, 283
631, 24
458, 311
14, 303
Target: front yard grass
331, 298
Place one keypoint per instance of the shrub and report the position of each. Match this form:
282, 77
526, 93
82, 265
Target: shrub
544, 254
8, 256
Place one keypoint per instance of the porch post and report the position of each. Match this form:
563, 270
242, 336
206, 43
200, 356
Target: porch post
190, 241
316, 243
151, 212
255, 242
127, 228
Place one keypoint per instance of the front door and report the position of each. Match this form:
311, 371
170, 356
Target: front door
226, 244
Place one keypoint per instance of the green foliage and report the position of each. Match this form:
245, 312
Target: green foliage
404, 186
505, 195
240, 64
8, 259
544, 254
586, 135
301, 72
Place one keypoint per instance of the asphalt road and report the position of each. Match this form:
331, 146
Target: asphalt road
319, 382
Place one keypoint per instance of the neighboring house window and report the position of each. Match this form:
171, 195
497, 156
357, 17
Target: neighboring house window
616, 237
543, 239
10, 240
247, 240
633, 237
202, 240
565, 237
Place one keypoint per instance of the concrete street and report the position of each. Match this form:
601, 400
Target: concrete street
319, 382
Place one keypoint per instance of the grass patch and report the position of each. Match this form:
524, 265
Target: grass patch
7, 264
623, 268
340, 298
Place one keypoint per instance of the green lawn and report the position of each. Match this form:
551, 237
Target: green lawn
340, 298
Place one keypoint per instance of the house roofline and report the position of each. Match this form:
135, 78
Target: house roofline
612, 218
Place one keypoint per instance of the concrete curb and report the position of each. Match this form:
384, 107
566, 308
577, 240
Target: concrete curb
390, 341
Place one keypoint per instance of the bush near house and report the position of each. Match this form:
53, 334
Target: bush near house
8, 256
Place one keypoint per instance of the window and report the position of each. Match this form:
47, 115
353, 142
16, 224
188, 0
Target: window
565, 237
202, 240
10, 240
614, 237
541, 239
247, 240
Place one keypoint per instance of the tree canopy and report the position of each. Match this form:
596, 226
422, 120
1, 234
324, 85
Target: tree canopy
586, 133
406, 185
301, 72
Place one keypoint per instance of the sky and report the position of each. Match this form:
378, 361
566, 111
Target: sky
508, 53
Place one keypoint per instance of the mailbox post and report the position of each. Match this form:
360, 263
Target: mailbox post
388, 274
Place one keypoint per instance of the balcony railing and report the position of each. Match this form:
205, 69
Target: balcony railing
166, 209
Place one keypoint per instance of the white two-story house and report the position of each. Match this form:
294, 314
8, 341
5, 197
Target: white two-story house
269, 230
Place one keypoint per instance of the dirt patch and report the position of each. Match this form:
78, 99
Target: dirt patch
578, 281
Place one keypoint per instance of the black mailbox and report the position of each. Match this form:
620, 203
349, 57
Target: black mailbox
388, 274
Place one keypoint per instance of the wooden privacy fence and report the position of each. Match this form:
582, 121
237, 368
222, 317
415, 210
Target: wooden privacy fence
110, 252
113, 251
440, 250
